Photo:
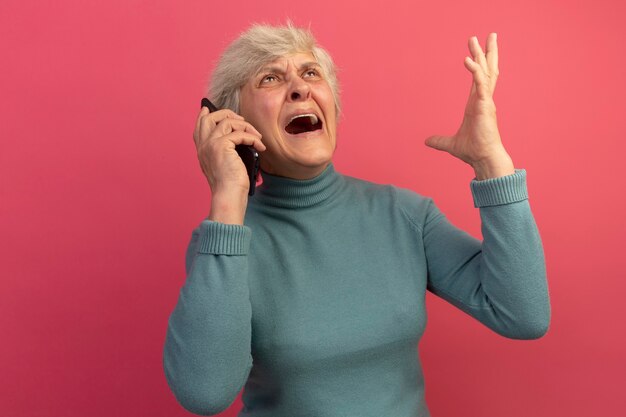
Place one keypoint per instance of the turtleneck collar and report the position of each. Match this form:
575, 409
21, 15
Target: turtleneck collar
290, 193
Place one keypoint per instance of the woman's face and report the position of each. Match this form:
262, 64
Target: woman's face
291, 104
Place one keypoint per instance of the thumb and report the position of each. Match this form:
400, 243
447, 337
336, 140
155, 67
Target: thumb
441, 143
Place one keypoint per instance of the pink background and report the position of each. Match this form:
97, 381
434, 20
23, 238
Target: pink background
100, 186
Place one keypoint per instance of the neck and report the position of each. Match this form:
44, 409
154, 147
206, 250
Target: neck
294, 172
299, 193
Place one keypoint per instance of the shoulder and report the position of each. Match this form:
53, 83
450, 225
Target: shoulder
415, 207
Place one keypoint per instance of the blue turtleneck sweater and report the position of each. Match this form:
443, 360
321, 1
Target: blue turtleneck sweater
316, 305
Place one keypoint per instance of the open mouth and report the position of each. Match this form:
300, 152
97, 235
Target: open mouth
303, 123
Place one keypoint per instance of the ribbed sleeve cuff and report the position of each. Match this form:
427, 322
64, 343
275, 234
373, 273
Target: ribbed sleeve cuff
224, 239
501, 190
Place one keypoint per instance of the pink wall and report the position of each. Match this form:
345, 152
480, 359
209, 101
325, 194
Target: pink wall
100, 187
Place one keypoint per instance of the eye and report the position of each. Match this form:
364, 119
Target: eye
311, 73
270, 78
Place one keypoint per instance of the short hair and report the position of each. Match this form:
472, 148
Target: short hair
258, 46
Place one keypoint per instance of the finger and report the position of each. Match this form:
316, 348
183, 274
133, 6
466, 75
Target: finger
481, 80
441, 143
477, 52
492, 54
217, 115
213, 117
196, 132
209, 131
232, 139
246, 138
229, 125
223, 114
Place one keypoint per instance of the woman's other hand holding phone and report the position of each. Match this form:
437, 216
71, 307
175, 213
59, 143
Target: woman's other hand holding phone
216, 135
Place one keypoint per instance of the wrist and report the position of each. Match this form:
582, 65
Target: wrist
494, 167
228, 208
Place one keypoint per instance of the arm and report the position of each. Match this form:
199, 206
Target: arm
501, 282
207, 356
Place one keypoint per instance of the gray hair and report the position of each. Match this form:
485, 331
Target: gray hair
258, 46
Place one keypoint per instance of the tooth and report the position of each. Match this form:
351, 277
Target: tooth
312, 118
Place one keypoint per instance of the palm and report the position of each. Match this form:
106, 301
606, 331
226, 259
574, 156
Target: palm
477, 139
478, 135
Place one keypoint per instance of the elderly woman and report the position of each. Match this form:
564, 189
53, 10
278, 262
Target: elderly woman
310, 294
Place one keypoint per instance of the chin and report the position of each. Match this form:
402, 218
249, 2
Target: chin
313, 158
300, 165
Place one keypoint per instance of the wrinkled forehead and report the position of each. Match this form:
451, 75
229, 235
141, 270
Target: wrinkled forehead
297, 60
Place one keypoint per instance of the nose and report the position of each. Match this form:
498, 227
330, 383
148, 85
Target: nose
299, 90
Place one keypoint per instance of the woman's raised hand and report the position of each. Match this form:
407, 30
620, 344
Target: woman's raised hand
477, 141
216, 135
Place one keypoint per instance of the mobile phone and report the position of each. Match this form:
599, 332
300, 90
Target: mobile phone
248, 154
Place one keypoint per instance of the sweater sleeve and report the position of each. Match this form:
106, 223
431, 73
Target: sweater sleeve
207, 356
500, 281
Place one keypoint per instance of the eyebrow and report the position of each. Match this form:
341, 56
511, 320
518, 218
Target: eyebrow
280, 70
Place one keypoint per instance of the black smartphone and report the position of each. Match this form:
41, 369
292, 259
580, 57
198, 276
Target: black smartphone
248, 154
